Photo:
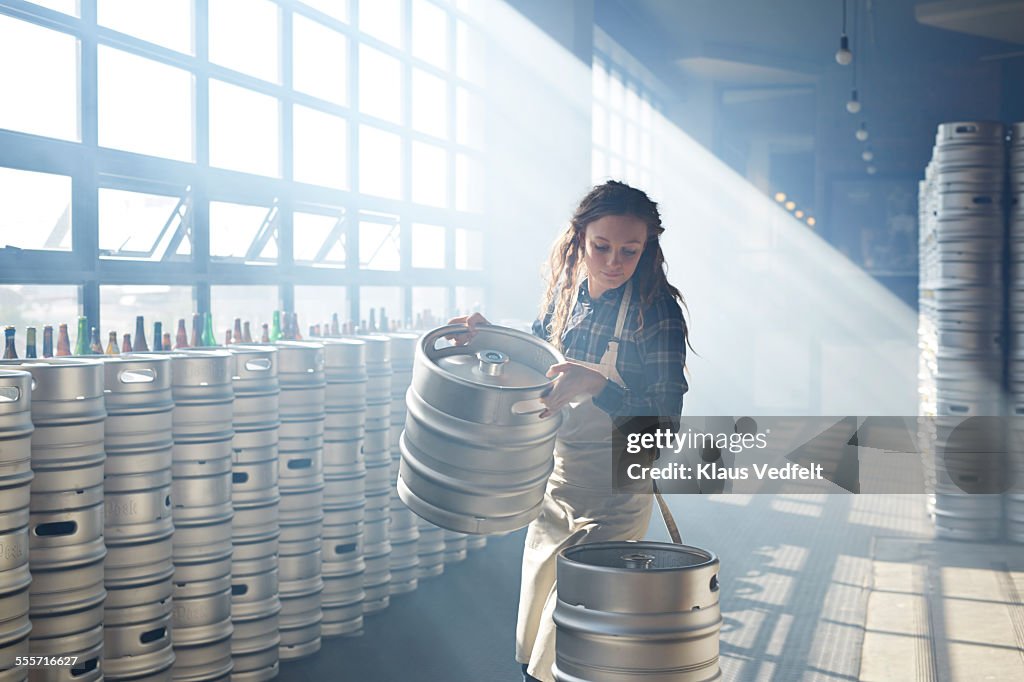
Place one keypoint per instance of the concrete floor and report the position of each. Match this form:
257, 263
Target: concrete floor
798, 574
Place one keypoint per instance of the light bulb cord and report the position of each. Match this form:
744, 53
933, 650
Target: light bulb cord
844, 17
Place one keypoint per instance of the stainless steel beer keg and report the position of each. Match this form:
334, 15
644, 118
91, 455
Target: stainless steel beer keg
637, 610
475, 457
429, 549
255, 385
137, 633
203, 395
454, 547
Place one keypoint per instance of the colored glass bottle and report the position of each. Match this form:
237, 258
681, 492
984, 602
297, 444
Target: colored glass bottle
236, 334
246, 333
112, 344
335, 327
63, 341
266, 334
197, 331
126, 344
10, 352
30, 342
275, 327
48, 341
94, 342
209, 338
82, 340
158, 336
167, 341
139, 344
181, 338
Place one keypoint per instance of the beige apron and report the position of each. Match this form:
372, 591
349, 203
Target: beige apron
579, 506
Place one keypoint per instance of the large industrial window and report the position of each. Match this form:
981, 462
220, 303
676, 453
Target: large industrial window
239, 156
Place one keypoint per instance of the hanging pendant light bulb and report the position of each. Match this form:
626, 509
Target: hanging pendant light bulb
843, 54
853, 105
862, 132
867, 155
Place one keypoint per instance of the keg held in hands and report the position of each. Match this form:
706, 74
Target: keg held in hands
475, 456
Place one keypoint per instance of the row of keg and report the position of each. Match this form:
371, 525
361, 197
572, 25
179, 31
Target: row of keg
963, 210
1014, 502
241, 448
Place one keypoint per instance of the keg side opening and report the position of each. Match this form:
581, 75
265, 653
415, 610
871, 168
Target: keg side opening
154, 635
85, 667
56, 528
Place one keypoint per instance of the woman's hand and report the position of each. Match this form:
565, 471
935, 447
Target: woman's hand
573, 379
471, 321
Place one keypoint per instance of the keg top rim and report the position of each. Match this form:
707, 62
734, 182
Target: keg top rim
617, 551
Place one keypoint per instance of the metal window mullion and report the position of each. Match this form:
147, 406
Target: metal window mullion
84, 193
352, 209
285, 251
405, 222
201, 140
451, 85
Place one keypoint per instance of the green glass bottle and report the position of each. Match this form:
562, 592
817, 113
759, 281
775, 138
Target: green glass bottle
82, 342
209, 339
275, 327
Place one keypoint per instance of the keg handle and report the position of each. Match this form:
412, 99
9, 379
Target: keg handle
136, 376
10, 394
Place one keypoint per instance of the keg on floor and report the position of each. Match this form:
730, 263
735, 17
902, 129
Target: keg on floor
66, 548
475, 457
203, 430
15, 480
301, 374
255, 529
637, 610
454, 547
343, 566
403, 530
138, 521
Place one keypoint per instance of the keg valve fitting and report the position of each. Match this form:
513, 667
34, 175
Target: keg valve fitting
638, 560
492, 362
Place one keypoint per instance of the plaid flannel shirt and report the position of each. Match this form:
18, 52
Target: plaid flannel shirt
650, 359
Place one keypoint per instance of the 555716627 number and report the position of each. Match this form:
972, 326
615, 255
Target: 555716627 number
45, 661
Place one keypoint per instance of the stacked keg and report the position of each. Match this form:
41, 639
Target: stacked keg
66, 548
1014, 503
377, 458
962, 314
138, 523
301, 481
454, 546
404, 531
344, 487
255, 604
476, 541
15, 481
201, 494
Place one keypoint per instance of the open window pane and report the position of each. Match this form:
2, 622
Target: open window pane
380, 163
469, 249
430, 33
320, 60
24, 305
149, 227
382, 19
427, 246
120, 304
316, 304
429, 307
319, 240
38, 80
36, 210
254, 304
379, 243
144, 106
380, 85
321, 148
167, 23
243, 232
244, 130
429, 175
375, 298
245, 36
429, 104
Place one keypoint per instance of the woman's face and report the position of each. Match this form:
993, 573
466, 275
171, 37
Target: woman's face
612, 248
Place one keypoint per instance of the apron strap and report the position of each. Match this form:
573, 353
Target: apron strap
620, 321
666, 514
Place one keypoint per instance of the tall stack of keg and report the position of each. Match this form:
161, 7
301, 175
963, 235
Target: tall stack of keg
962, 311
300, 371
138, 523
255, 604
15, 481
344, 487
377, 458
404, 531
1014, 507
201, 495
66, 548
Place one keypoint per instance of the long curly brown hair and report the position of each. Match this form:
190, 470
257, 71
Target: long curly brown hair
565, 267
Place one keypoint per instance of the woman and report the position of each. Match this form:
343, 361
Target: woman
610, 309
